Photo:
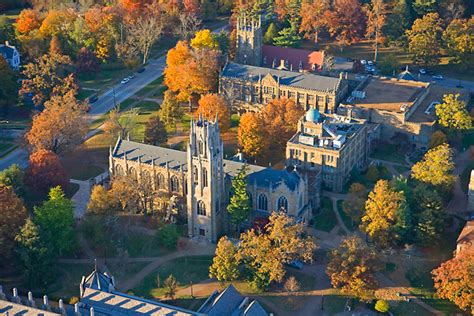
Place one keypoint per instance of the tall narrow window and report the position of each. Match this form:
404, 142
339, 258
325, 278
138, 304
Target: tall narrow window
195, 174
160, 181
201, 208
204, 177
174, 184
262, 202
282, 203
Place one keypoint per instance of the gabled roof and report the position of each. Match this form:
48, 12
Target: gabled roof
302, 80
98, 281
294, 56
466, 237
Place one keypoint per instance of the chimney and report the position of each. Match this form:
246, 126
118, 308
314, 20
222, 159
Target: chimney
61, 307
31, 301
46, 303
92, 311
15, 297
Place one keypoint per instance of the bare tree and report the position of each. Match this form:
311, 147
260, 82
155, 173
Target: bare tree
189, 24
145, 31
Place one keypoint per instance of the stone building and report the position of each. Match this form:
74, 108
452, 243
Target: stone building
249, 41
250, 87
199, 181
330, 144
470, 193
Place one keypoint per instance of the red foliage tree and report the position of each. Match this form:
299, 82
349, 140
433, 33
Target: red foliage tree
45, 171
86, 61
191, 7
346, 21
28, 20
12, 217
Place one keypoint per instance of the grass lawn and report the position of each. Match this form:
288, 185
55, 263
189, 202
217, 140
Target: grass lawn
465, 176
85, 173
388, 152
405, 308
145, 110
109, 74
84, 94
326, 219
288, 303
345, 218
186, 270
334, 304
6, 146
151, 86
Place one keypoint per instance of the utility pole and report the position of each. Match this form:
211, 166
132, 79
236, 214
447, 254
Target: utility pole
115, 101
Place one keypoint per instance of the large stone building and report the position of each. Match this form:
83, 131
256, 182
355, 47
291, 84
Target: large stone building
470, 193
198, 181
331, 144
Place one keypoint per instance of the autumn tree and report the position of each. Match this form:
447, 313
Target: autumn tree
101, 201
355, 202
265, 254
12, 216
57, 22
49, 75
87, 62
204, 39
352, 267
51, 130
346, 21
118, 125
55, 218
436, 167
239, 205
214, 105
190, 73
170, 285
437, 138
8, 85
376, 19
225, 264
312, 18
35, 254
454, 280
45, 171
423, 7
382, 216
459, 40
28, 21
382, 306
251, 135
452, 113
424, 39
124, 190
170, 110
155, 132
13, 177
188, 25
291, 285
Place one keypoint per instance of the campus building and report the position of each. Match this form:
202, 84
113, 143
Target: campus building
329, 144
197, 183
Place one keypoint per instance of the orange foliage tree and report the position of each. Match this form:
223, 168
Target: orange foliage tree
454, 280
346, 21
189, 72
57, 21
28, 20
61, 125
45, 171
312, 12
12, 216
211, 105
251, 134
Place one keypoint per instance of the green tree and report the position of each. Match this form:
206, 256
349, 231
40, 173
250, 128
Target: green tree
155, 132
168, 235
55, 219
430, 214
452, 113
270, 34
170, 111
389, 65
288, 37
399, 20
352, 267
13, 177
459, 40
170, 285
7, 32
436, 167
424, 39
382, 216
239, 205
225, 264
8, 85
423, 7
35, 255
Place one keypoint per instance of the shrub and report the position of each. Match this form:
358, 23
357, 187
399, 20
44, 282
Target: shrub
168, 235
382, 306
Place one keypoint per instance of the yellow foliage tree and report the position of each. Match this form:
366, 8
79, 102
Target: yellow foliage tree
225, 265
436, 167
251, 135
204, 39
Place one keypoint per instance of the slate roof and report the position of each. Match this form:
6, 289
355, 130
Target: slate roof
294, 56
98, 281
24, 310
302, 80
177, 159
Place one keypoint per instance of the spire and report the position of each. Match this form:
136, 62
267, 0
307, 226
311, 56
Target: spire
95, 265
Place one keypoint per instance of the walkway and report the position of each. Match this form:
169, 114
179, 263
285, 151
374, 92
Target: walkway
458, 203
81, 198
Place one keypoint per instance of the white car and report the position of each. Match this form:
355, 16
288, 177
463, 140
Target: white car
131, 77
370, 63
438, 77
422, 71
125, 80
363, 62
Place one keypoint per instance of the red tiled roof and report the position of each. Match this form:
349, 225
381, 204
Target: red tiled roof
294, 57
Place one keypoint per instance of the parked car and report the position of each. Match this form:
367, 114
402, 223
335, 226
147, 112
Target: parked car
422, 71
141, 70
370, 63
93, 98
125, 80
297, 264
131, 76
438, 77
363, 62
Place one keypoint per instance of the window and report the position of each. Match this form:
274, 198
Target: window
262, 202
146, 177
174, 184
160, 181
282, 203
195, 174
202, 232
201, 208
204, 177
201, 148
119, 170
250, 198
133, 173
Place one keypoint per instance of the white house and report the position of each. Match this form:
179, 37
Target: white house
11, 55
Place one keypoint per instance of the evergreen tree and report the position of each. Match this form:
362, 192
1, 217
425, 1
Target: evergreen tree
288, 37
270, 34
225, 265
239, 205
155, 132
8, 85
398, 21
36, 256
55, 219
423, 7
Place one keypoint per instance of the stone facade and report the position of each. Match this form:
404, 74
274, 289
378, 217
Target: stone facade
249, 43
470, 204
198, 181
330, 144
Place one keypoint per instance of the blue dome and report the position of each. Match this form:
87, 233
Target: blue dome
312, 115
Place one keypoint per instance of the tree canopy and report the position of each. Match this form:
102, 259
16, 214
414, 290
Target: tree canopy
452, 113
436, 167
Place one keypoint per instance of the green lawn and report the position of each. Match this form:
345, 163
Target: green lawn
345, 218
84, 94
186, 270
32, 198
326, 219
85, 174
388, 152
110, 73
405, 308
6, 146
151, 86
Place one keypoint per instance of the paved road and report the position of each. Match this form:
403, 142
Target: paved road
450, 82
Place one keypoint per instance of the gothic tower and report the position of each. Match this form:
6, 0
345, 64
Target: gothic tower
205, 180
249, 41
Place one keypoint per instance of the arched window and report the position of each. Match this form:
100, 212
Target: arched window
201, 208
204, 177
201, 147
282, 203
174, 184
133, 173
160, 181
250, 199
119, 170
262, 202
146, 177
195, 174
